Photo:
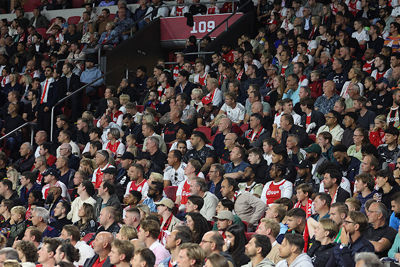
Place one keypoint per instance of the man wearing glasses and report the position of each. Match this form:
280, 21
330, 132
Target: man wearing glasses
351, 239
379, 233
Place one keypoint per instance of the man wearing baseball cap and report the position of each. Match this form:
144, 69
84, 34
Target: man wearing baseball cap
126, 161
164, 209
313, 154
101, 160
50, 177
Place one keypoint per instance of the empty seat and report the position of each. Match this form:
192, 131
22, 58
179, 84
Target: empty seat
205, 130
77, 3
74, 20
170, 191
42, 32
140, 108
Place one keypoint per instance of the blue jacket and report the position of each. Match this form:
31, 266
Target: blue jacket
23, 193
394, 221
345, 256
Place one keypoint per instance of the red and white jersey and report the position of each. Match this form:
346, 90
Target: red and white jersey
184, 191
142, 187
179, 11
4, 80
118, 148
201, 79
97, 176
367, 67
64, 190
116, 117
377, 74
272, 191
176, 71
212, 10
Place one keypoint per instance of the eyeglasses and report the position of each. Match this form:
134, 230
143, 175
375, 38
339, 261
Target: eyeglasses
347, 222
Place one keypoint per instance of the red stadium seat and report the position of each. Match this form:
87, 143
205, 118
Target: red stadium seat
52, 20
244, 127
74, 20
170, 191
140, 108
77, 3
112, 16
30, 5
42, 32
249, 235
313, 137
205, 130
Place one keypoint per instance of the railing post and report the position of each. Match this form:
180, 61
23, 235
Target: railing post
32, 132
52, 124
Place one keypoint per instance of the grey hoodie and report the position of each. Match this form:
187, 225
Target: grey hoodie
264, 263
303, 260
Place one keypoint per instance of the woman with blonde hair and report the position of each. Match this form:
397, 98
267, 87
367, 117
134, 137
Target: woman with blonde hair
86, 166
377, 134
13, 84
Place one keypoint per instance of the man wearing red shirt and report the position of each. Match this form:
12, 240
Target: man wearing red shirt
102, 247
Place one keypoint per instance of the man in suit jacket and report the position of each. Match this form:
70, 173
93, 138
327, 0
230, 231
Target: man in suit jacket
184, 85
69, 83
38, 20
312, 119
48, 98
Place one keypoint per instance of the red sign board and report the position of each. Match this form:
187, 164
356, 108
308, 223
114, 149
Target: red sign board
175, 28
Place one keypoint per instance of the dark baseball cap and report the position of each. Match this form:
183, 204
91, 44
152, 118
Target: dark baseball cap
383, 80
110, 170
305, 164
51, 171
128, 155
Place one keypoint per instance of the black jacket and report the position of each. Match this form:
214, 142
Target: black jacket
342, 195
74, 85
304, 140
316, 117
90, 262
320, 254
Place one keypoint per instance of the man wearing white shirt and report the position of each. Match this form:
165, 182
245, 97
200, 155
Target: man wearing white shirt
86, 193
40, 138
174, 173
47, 99
198, 187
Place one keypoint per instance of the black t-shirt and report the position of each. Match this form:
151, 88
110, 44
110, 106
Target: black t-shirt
382, 232
200, 155
12, 123
366, 120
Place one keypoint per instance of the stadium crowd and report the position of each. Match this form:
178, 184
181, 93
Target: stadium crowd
282, 150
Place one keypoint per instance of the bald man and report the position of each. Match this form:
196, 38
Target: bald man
326, 102
102, 247
40, 138
224, 127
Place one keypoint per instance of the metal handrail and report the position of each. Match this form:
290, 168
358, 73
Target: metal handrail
224, 21
19, 128
67, 97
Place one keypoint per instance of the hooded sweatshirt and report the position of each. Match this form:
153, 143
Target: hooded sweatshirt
303, 260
